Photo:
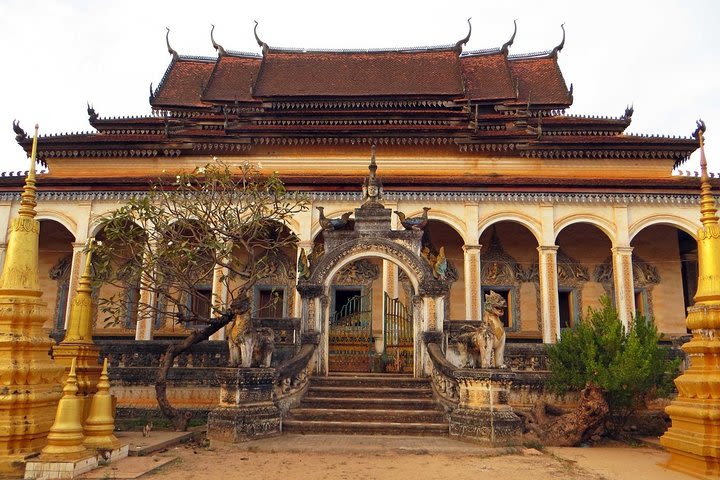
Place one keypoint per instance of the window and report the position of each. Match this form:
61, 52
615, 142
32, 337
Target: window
132, 297
566, 308
505, 292
201, 301
642, 307
270, 302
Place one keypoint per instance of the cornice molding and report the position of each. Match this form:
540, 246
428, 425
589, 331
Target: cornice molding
390, 196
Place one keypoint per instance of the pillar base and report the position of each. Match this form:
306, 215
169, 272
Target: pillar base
60, 466
486, 427
483, 414
241, 424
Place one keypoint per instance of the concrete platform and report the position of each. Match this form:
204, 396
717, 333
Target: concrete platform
157, 440
370, 444
130, 467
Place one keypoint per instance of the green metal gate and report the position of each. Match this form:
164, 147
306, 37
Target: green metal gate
351, 344
398, 334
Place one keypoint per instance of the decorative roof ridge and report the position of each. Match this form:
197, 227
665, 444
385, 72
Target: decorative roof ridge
69, 134
531, 55
655, 135
20, 173
128, 117
242, 54
433, 48
197, 58
593, 117
481, 52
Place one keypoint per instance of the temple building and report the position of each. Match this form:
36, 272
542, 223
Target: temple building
549, 209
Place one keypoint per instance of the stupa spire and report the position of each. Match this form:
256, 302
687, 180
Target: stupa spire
693, 441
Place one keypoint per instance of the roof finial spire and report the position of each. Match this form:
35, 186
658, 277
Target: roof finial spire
27, 202
262, 44
708, 206
560, 45
372, 186
629, 110
506, 46
463, 41
171, 51
216, 46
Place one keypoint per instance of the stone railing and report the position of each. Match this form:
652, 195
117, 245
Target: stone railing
293, 375
124, 352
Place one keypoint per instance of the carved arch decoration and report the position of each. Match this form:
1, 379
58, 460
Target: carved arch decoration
360, 272
501, 270
281, 274
331, 262
645, 277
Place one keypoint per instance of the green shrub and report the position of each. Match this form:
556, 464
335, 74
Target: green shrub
630, 368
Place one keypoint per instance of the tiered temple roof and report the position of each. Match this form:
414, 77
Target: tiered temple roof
439, 97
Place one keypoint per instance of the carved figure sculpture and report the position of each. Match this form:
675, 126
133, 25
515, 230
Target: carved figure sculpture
333, 223
249, 346
303, 265
413, 223
438, 263
484, 346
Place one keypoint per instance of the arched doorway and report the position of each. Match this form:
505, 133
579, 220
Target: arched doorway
370, 329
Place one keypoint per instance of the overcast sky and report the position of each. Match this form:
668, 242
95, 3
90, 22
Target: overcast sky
661, 56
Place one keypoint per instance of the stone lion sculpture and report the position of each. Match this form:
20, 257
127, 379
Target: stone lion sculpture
484, 346
249, 346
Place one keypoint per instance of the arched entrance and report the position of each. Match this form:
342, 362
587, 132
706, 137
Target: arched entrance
342, 249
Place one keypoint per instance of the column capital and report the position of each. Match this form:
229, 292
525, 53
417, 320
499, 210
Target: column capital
548, 248
305, 244
622, 250
470, 248
79, 246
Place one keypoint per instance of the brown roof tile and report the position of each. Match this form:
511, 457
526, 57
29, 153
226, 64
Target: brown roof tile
487, 77
232, 79
183, 83
540, 81
353, 74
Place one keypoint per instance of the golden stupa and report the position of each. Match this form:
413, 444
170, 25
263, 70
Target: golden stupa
694, 438
29, 378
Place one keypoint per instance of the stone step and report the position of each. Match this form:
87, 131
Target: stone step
367, 415
375, 380
364, 428
372, 403
369, 392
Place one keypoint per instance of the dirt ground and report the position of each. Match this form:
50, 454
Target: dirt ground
348, 458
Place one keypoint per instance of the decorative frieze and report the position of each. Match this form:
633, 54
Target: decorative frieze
355, 197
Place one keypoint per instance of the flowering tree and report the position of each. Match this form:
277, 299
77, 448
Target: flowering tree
216, 222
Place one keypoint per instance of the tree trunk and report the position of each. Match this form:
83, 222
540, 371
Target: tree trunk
180, 419
585, 422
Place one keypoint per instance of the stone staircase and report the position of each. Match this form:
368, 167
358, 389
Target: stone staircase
367, 404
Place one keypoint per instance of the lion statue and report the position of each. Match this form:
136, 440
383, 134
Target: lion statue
249, 346
484, 346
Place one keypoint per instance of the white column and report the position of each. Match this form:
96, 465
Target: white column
624, 284
473, 282
306, 245
146, 316
219, 296
547, 262
77, 258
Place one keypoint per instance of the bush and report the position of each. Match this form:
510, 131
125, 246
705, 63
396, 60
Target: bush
629, 368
